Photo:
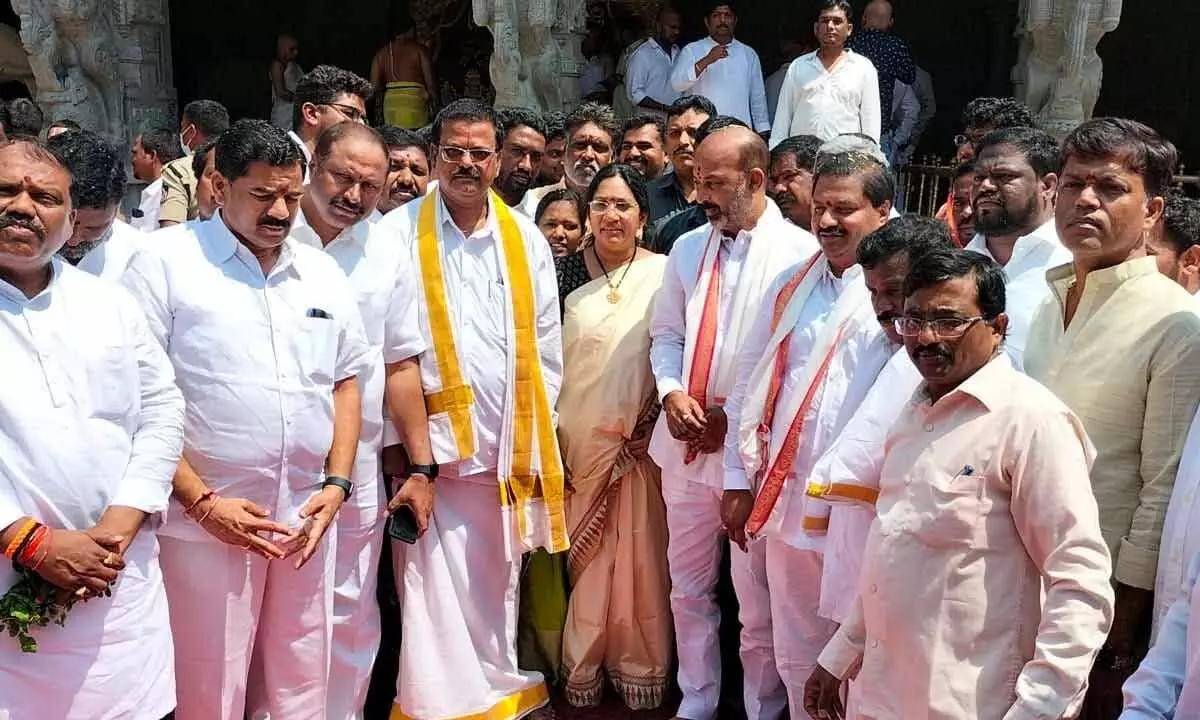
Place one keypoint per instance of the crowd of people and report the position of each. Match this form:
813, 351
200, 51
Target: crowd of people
540, 371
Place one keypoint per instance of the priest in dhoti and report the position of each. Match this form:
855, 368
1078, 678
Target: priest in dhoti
811, 355
489, 313
717, 277
91, 428
346, 179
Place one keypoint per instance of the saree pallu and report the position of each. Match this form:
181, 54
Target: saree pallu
406, 105
618, 616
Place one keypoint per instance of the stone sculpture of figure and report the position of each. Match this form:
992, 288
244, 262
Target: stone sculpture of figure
527, 65
1062, 72
73, 54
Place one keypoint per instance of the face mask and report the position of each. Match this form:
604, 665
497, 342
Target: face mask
183, 143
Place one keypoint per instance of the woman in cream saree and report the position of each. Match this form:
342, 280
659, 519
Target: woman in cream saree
618, 616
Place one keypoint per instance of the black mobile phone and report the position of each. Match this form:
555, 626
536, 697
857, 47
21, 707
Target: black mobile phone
402, 525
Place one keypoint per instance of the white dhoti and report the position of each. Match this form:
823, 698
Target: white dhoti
252, 636
356, 629
458, 599
694, 553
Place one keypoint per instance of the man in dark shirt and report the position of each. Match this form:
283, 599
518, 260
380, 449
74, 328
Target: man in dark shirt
888, 53
669, 193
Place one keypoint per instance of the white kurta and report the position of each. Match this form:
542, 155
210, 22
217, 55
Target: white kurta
149, 203
828, 103
1181, 529
1167, 683
256, 358
734, 83
90, 418
649, 75
109, 259
385, 286
458, 587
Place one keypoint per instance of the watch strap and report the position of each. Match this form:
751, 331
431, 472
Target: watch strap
430, 471
340, 482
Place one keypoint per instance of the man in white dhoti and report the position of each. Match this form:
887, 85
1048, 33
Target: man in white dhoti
716, 278
489, 311
797, 377
346, 179
100, 244
266, 341
92, 427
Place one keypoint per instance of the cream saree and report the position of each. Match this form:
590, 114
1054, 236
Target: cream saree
618, 615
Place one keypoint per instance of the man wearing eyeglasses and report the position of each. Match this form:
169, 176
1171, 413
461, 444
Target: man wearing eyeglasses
489, 313
984, 505
324, 97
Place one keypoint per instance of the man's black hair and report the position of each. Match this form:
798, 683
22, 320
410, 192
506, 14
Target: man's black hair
590, 112
162, 143
200, 155
464, 110
715, 123
556, 125
913, 234
879, 185
397, 137
804, 147
1181, 222
562, 195
711, 6
249, 141
945, 264
25, 118
826, 5
209, 116
641, 120
996, 113
698, 103
1039, 149
966, 167
97, 168
1136, 146
323, 85
512, 118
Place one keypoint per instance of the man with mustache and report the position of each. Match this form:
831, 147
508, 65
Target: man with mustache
324, 97
724, 70
716, 282
267, 343
791, 177
100, 243
984, 590
551, 169
490, 315
92, 426
591, 135
832, 90
1012, 211
521, 153
204, 165
202, 120
1120, 344
676, 189
408, 168
346, 179
642, 145
794, 379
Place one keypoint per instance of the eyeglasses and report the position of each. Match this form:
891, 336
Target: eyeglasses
352, 114
454, 154
602, 206
941, 327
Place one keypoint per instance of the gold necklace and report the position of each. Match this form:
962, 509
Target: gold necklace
614, 296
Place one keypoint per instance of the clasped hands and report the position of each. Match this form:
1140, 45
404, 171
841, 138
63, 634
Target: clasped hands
703, 429
243, 523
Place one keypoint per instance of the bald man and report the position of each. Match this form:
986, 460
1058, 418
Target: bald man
346, 179
888, 53
877, 15
717, 276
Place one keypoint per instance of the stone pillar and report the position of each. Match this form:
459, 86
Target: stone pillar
536, 61
1059, 72
104, 63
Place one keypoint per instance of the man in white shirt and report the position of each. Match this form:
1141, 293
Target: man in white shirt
797, 381
347, 178
649, 75
266, 340
832, 90
716, 281
324, 97
592, 135
100, 243
489, 312
724, 70
150, 152
1012, 205
1167, 682
93, 425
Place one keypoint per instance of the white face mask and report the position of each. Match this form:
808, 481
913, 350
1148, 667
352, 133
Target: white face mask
183, 142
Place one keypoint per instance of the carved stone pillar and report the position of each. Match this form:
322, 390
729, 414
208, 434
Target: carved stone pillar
536, 61
1059, 72
104, 63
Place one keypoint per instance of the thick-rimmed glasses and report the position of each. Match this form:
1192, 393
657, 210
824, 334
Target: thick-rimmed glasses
455, 154
349, 112
941, 327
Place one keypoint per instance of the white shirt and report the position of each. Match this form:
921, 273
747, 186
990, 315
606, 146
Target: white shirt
1167, 683
828, 103
1181, 529
255, 359
151, 199
109, 259
1026, 285
384, 283
734, 84
596, 70
303, 150
649, 75
89, 418
479, 307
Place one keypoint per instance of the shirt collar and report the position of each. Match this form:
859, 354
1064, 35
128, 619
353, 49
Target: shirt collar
303, 232
225, 246
303, 148
989, 385
1061, 277
12, 294
490, 227
1044, 234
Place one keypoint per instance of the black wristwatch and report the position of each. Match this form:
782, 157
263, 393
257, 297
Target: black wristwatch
430, 471
340, 482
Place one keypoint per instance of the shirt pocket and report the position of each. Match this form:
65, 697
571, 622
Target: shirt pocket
315, 344
112, 383
950, 506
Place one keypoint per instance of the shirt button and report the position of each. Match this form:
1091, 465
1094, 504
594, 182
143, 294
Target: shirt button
874, 589
874, 643
928, 427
